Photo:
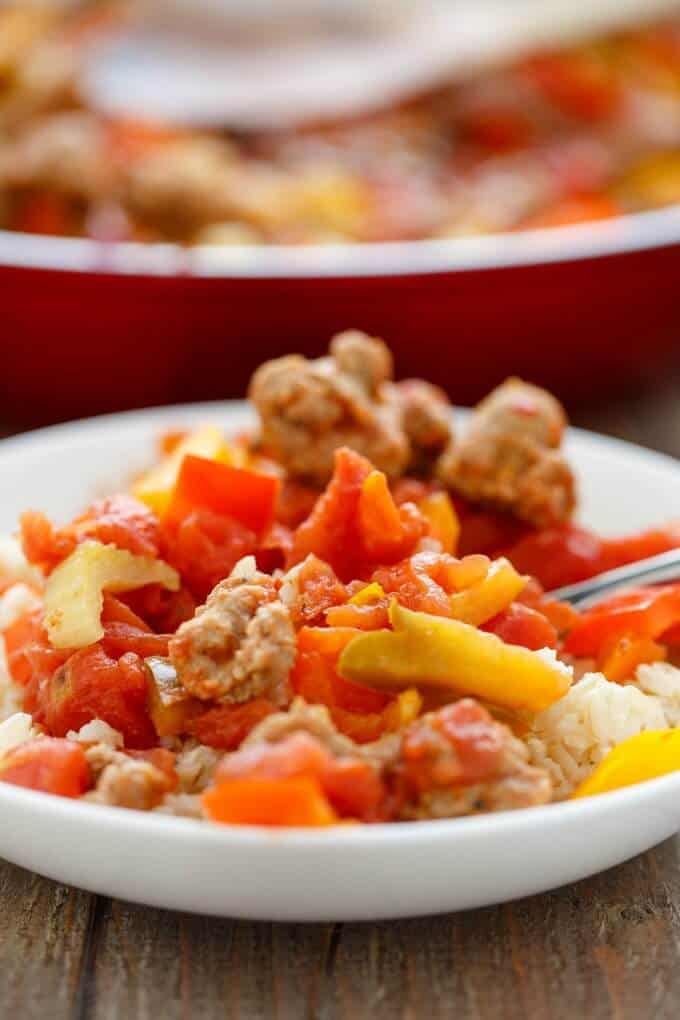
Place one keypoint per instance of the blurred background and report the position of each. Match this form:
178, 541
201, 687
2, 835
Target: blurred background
188, 188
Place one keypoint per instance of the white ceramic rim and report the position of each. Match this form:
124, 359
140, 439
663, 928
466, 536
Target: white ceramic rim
637, 232
62, 810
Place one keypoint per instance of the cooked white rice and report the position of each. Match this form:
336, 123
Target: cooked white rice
571, 737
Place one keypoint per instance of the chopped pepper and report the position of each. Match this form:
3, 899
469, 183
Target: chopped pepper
298, 801
74, 593
247, 496
644, 756
488, 597
155, 488
640, 613
438, 652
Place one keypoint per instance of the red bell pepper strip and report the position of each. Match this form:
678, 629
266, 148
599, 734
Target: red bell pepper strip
641, 613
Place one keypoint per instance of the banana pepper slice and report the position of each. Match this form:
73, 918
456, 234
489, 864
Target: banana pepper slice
74, 593
490, 596
434, 651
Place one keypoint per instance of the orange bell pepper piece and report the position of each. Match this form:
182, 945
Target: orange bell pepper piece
247, 496
294, 802
618, 663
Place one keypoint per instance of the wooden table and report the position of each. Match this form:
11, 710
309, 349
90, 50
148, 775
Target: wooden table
608, 947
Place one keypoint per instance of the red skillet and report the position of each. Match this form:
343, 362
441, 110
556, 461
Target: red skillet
89, 328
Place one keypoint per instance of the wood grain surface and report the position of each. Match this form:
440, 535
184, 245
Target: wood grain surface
605, 948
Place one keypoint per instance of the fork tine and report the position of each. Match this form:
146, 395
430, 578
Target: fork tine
655, 570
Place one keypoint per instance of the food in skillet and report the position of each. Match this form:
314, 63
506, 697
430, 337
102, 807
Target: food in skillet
338, 617
589, 133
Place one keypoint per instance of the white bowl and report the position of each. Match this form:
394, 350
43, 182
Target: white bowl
352, 873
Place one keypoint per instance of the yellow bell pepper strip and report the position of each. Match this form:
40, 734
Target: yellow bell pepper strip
373, 592
440, 512
434, 651
247, 496
155, 487
645, 756
74, 593
490, 596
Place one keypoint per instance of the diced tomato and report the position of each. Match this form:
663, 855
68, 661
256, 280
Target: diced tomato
31, 660
318, 589
331, 530
356, 710
558, 556
225, 727
162, 610
355, 523
49, 765
295, 503
119, 520
124, 631
425, 581
352, 786
475, 742
640, 613
93, 685
521, 625
247, 497
43, 544
204, 547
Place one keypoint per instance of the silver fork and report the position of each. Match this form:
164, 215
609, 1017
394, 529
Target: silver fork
655, 570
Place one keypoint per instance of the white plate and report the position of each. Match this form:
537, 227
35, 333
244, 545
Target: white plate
351, 873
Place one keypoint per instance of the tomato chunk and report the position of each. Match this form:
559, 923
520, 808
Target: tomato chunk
225, 727
93, 685
522, 625
49, 765
355, 523
353, 787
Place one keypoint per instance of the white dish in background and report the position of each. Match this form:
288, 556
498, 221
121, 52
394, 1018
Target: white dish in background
346, 873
